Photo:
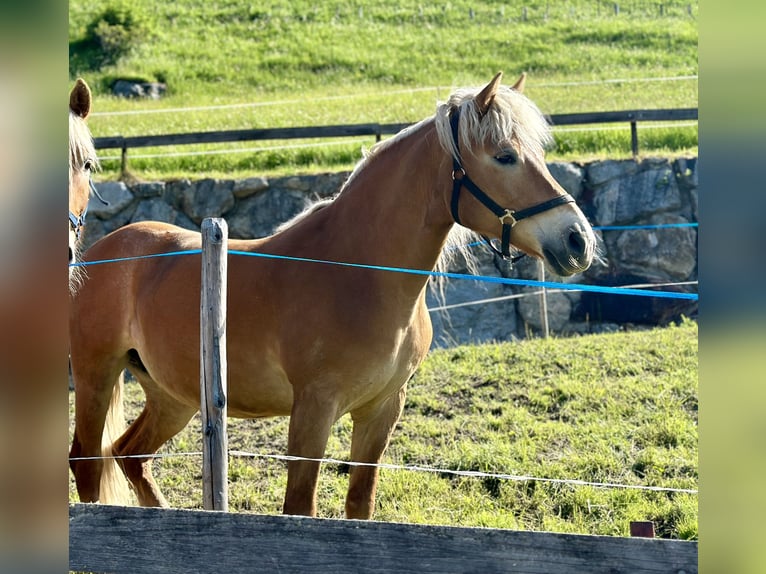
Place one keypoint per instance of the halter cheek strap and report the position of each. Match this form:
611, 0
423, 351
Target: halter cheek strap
508, 217
77, 223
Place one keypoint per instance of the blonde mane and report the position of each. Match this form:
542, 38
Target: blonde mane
81, 146
308, 210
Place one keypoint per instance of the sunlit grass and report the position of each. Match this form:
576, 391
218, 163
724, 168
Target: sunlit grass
618, 408
300, 64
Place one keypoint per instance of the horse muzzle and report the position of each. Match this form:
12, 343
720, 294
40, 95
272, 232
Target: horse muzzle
570, 252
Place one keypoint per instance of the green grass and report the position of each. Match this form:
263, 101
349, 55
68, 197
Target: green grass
612, 408
305, 63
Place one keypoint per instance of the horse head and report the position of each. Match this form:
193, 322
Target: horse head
502, 187
82, 161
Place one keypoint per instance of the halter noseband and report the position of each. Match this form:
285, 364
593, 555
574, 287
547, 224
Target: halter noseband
77, 223
507, 217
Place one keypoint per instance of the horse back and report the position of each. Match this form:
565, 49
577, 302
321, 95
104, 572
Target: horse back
120, 276
141, 239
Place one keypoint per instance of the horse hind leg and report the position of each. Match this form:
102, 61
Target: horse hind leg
98, 419
113, 487
373, 426
161, 419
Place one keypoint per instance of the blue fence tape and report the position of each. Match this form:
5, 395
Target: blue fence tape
647, 226
484, 278
135, 258
481, 278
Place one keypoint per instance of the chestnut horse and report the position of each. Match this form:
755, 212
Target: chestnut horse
311, 340
82, 161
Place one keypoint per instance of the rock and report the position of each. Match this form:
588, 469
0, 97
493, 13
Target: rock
479, 323
626, 309
174, 192
330, 184
181, 220
559, 308
468, 322
158, 210
138, 89
570, 176
658, 254
116, 193
687, 175
297, 183
246, 187
259, 215
150, 189
207, 198
96, 228
686, 168
154, 210
637, 194
559, 303
600, 172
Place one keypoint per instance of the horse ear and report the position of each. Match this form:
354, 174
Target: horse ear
519, 85
484, 98
79, 98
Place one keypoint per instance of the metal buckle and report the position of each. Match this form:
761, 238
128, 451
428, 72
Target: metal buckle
508, 215
455, 173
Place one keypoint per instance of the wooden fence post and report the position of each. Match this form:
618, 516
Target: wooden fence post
124, 160
543, 300
634, 138
642, 529
215, 463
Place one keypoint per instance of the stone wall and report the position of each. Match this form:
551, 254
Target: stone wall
611, 193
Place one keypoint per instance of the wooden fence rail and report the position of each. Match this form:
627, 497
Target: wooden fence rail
149, 540
377, 130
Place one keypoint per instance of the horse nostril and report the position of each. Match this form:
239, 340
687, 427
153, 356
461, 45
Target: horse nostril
577, 242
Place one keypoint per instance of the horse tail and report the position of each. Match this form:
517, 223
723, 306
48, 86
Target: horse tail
114, 487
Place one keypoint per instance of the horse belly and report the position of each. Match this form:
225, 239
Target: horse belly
258, 389
369, 371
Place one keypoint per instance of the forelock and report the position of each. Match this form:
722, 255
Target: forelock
511, 117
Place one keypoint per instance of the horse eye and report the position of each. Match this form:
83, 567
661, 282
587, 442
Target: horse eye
506, 158
88, 165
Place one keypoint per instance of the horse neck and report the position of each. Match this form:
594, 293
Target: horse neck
396, 206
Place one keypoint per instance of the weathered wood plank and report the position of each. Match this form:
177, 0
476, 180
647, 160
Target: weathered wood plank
237, 135
149, 540
368, 129
673, 114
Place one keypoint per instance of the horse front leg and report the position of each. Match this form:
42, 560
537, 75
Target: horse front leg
310, 423
373, 426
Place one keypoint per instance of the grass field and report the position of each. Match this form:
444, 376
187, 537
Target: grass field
616, 408
301, 63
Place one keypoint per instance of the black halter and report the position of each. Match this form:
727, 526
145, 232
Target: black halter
77, 223
507, 217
